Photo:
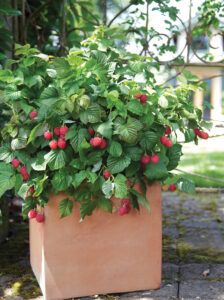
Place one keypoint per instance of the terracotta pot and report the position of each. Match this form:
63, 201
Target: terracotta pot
106, 253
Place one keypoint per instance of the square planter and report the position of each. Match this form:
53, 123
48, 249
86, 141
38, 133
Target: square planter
106, 253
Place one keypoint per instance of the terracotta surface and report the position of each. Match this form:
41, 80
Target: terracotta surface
106, 253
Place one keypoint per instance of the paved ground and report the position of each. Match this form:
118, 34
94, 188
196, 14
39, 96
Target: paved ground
193, 254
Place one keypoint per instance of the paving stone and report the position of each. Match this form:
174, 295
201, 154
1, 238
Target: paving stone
201, 290
217, 271
4, 279
170, 272
199, 223
193, 271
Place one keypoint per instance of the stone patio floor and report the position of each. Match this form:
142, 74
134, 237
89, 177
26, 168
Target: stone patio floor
193, 254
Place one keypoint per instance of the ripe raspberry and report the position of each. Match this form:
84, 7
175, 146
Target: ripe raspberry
53, 145
39, 218
106, 174
103, 144
33, 114
155, 158
138, 96
145, 159
32, 214
48, 135
91, 131
164, 139
15, 162
143, 98
31, 190
61, 143
169, 144
95, 142
62, 137
23, 170
203, 135
197, 131
123, 210
173, 187
57, 130
126, 202
64, 130
168, 130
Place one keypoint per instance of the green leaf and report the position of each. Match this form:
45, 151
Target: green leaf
105, 129
107, 188
174, 153
65, 207
78, 178
189, 135
115, 149
56, 159
127, 131
117, 164
156, 171
147, 119
163, 102
61, 65
38, 130
61, 180
87, 208
77, 164
132, 169
141, 199
91, 176
135, 153
120, 186
148, 140
6, 153
49, 96
39, 163
23, 190
135, 107
91, 115
186, 185
18, 183
105, 204
28, 204
18, 143
72, 132
28, 61
97, 166
76, 141
7, 178
6, 76
10, 11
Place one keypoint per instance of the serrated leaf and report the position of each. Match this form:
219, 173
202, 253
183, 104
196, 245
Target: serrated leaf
76, 141
147, 119
77, 164
91, 176
39, 163
186, 185
189, 135
18, 143
6, 153
65, 207
38, 130
115, 149
105, 129
87, 208
135, 153
71, 132
49, 96
61, 180
107, 188
7, 178
28, 204
156, 171
120, 186
126, 131
117, 164
135, 107
97, 166
6, 76
105, 204
92, 114
148, 140
56, 159
141, 199
174, 153
78, 178
163, 102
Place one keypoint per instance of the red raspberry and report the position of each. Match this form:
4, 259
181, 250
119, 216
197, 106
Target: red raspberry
143, 98
32, 214
164, 139
91, 131
48, 135
145, 159
57, 130
126, 202
95, 142
39, 218
15, 162
103, 144
106, 174
138, 96
123, 210
197, 131
168, 130
62, 137
24, 172
155, 158
64, 130
203, 135
173, 187
33, 114
31, 190
61, 143
53, 145
169, 144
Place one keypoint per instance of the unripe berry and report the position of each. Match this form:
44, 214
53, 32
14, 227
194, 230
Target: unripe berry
91, 131
64, 130
39, 218
15, 162
168, 130
32, 214
143, 98
155, 158
33, 114
53, 145
172, 187
146, 159
103, 144
106, 174
48, 135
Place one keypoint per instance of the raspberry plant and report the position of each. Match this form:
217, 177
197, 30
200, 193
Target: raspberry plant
88, 124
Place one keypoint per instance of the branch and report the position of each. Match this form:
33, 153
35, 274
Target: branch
121, 11
105, 12
89, 12
79, 16
63, 25
202, 176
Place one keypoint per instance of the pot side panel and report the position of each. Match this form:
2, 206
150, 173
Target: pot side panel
106, 253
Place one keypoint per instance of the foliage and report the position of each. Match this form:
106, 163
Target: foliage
93, 87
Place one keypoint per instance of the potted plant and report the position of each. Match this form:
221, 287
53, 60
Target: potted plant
93, 133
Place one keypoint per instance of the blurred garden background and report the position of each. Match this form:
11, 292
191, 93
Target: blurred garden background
183, 39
